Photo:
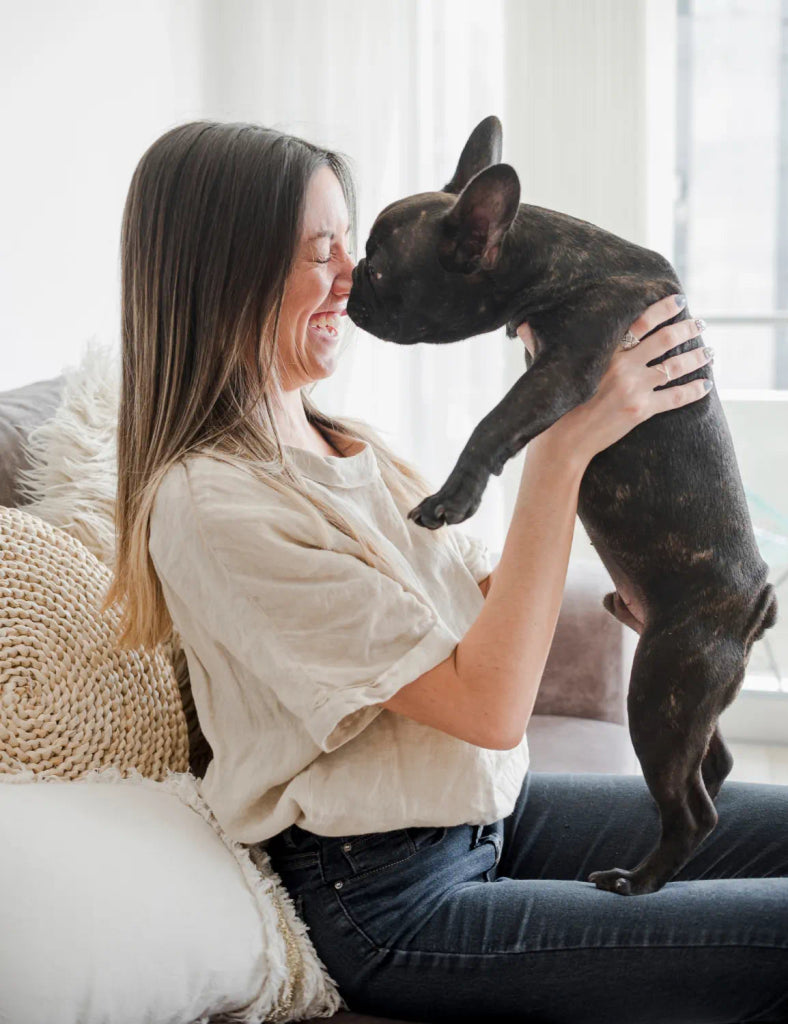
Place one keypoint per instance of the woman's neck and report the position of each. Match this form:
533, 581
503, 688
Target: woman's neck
296, 430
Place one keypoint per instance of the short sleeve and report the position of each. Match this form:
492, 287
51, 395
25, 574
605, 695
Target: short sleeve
330, 635
474, 553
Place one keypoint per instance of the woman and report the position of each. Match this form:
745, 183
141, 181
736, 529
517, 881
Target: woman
365, 684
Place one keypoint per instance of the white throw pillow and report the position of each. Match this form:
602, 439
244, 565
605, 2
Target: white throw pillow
121, 904
71, 483
73, 475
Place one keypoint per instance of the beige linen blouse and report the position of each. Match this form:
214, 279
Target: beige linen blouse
292, 645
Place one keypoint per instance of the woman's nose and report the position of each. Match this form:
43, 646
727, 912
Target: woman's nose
343, 282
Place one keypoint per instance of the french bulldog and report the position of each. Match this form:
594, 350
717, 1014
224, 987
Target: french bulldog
664, 506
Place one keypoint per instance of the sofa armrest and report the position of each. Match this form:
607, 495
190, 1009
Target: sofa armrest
21, 411
587, 671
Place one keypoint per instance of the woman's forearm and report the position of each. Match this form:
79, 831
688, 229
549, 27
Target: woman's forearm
502, 656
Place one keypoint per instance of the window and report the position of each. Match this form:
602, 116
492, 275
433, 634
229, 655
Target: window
731, 252
731, 247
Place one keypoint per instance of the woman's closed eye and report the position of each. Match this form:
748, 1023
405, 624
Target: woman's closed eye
334, 254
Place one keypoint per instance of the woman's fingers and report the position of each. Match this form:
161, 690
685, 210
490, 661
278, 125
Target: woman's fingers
681, 394
631, 391
668, 337
678, 366
657, 314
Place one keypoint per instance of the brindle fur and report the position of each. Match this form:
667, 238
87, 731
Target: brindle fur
664, 506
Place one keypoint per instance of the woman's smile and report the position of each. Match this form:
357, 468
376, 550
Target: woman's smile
326, 326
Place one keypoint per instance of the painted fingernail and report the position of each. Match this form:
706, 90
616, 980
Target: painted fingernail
708, 385
680, 300
708, 352
701, 324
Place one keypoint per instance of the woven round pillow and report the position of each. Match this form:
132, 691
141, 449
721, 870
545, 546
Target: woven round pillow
71, 700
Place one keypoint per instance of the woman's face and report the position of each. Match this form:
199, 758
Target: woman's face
317, 289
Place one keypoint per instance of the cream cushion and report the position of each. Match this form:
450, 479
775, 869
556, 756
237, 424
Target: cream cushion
70, 700
125, 902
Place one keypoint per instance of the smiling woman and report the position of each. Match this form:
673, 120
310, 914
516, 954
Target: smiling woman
236, 267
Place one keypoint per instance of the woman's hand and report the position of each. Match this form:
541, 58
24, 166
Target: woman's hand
627, 393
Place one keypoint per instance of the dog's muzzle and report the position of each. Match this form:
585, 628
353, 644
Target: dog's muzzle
365, 308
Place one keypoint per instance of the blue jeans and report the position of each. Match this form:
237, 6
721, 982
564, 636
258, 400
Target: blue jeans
477, 922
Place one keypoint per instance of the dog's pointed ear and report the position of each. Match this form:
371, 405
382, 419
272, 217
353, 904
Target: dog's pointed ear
474, 227
482, 149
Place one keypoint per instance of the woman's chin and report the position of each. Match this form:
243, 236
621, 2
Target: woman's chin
324, 357
324, 371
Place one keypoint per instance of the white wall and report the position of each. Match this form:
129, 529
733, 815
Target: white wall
84, 89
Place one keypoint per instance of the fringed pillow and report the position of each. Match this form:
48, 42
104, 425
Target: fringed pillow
123, 900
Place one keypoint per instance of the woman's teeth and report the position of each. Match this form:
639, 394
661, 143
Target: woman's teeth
328, 322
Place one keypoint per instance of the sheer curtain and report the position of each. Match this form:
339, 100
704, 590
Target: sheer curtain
397, 86
584, 89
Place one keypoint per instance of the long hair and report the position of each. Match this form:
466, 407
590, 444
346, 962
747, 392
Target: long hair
210, 227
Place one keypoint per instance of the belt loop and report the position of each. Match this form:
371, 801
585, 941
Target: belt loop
476, 834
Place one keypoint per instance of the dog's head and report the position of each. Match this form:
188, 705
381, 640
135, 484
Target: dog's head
430, 263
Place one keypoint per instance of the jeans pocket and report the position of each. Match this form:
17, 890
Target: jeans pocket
427, 838
376, 851
391, 874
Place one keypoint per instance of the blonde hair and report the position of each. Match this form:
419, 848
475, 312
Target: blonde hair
210, 227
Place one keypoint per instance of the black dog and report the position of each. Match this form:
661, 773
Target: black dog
664, 506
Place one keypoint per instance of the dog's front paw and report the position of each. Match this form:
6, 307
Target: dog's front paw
615, 880
455, 502
626, 883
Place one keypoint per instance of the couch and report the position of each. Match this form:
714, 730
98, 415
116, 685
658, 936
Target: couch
579, 720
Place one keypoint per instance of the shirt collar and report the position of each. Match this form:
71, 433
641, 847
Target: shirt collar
334, 470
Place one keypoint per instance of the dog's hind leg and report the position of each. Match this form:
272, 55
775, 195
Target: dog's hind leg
717, 764
679, 686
